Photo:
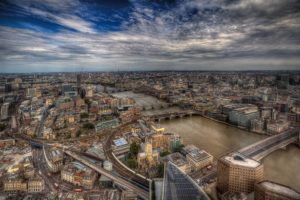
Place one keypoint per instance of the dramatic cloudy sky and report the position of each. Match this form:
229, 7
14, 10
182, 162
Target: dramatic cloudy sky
72, 35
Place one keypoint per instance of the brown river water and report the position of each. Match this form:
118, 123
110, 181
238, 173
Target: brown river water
281, 166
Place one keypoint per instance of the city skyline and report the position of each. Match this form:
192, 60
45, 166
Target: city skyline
58, 36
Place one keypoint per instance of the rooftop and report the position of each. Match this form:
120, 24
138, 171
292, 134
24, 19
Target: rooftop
120, 142
280, 189
196, 154
239, 159
178, 159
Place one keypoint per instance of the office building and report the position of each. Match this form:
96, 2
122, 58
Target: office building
197, 158
267, 190
180, 161
178, 185
236, 173
242, 116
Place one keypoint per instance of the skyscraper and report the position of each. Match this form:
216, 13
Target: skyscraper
178, 185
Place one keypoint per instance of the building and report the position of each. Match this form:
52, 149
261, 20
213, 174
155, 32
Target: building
276, 127
120, 146
159, 141
178, 185
180, 161
105, 182
54, 159
197, 158
236, 173
242, 116
234, 196
175, 142
48, 133
294, 118
7, 142
31, 92
79, 175
267, 190
97, 151
35, 185
129, 195
78, 81
148, 160
258, 125
131, 114
4, 111
107, 125
14, 185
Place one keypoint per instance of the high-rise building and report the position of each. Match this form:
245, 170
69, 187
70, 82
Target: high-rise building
178, 185
268, 190
236, 173
78, 81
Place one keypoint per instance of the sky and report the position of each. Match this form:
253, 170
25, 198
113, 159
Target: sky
125, 35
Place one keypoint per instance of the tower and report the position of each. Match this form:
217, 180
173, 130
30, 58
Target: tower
78, 81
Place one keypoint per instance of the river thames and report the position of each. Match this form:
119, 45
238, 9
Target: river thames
281, 166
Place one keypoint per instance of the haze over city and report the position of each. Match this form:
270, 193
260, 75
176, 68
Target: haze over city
73, 35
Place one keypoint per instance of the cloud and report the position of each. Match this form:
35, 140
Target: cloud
216, 34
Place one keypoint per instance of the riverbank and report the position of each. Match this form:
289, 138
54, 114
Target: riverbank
231, 125
281, 166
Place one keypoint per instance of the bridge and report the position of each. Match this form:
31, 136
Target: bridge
262, 148
170, 115
142, 192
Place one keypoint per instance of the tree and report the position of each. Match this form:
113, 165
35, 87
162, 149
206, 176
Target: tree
132, 163
2, 127
178, 148
84, 115
78, 133
88, 126
164, 153
88, 102
134, 148
161, 169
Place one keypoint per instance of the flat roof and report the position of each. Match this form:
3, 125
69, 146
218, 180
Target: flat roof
239, 159
198, 155
178, 159
120, 142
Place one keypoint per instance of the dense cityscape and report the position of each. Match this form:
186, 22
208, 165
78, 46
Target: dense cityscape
105, 135
149, 99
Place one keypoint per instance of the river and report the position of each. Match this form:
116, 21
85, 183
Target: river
281, 166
